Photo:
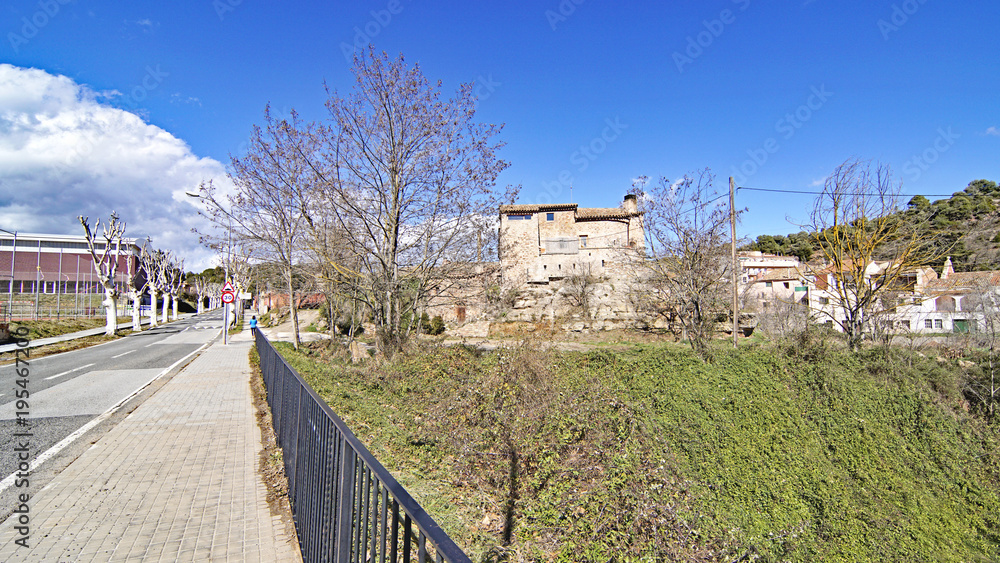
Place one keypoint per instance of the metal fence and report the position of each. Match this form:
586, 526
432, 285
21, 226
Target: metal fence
347, 507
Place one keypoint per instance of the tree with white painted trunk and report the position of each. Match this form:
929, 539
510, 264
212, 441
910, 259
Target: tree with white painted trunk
167, 282
176, 282
135, 291
200, 288
154, 263
147, 261
106, 264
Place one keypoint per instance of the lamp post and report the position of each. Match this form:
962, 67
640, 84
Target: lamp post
10, 291
225, 262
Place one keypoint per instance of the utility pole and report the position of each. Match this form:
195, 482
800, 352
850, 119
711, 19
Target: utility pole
736, 273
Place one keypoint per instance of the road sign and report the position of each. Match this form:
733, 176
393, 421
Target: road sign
245, 295
228, 297
228, 288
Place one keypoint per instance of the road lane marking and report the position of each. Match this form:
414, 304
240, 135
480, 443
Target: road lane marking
8, 481
69, 372
123, 354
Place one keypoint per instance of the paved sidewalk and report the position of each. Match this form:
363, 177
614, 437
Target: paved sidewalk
175, 481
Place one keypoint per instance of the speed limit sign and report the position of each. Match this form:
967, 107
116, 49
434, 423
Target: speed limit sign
228, 297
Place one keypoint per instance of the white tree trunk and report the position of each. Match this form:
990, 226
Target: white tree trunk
136, 319
152, 307
166, 307
111, 310
173, 300
201, 303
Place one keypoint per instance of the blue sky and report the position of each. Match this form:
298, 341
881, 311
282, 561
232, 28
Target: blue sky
592, 93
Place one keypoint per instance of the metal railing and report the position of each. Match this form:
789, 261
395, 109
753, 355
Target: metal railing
347, 507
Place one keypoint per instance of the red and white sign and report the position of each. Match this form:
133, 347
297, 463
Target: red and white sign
228, 288
228, 297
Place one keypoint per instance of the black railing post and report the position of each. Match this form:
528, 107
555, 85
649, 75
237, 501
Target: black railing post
343, 500
345, 503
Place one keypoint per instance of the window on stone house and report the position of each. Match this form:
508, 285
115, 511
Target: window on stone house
938, 323
518, 217
550, 216
768, 284
583, 241
824, 300
786, 285
928, 323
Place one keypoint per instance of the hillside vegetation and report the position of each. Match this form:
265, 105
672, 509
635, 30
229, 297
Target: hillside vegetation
965, 226
793, 451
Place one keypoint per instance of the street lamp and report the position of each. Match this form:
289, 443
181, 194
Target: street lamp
225, 263
10, 292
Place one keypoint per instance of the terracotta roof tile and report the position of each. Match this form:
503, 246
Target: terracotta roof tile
535, 208
598, 213
959, 280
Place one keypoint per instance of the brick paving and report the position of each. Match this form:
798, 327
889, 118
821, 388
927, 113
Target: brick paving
175, 481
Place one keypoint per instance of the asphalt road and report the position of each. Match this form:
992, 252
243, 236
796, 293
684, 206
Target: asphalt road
71, 389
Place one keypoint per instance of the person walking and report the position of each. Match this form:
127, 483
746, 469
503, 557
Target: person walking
253, 322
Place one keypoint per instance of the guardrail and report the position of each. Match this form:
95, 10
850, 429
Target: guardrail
346, 505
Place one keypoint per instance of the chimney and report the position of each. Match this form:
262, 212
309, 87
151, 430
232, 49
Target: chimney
631, 203
948, 269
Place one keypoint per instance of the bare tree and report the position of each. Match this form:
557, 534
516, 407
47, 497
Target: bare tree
782, 318
274, 189
238, 264
168, 278
106, 265
175, 281
406, 176
855, 224
149, 260
580, 286
984, 300
161, 261
200, 289
136, 291
685, 278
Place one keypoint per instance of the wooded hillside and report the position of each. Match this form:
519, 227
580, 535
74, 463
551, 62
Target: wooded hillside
965, 226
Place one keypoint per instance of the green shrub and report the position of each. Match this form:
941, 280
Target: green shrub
773, 452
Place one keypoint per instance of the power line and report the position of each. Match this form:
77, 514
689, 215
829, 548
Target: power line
821, 193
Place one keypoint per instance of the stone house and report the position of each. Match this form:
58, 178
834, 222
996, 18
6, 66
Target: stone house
547, 250
753, 264
549, 242
775, 287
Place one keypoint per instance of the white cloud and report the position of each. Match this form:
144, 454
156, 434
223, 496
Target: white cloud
993, 131
64, 153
